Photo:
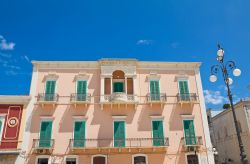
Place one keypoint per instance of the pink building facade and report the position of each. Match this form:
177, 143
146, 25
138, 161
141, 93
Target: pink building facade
116, 111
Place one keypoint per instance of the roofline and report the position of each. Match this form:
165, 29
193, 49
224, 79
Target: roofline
14, 99
98, 63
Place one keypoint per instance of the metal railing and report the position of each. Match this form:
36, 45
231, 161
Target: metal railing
192, 141
47, 97
118, 97
161, 97
113, 143
77, 97
186, 97
43, 144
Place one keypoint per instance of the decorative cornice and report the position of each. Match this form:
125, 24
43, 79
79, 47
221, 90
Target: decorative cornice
146, 65
14, 99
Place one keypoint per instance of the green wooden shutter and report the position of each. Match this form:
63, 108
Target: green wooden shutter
119, 134
118, 87
45, 134
158, 136
184, 91
79, 134
190, 137
81, 90
50, 90
154, 90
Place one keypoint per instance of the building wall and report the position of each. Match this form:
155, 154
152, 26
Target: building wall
225, 138
10, 134
99, 120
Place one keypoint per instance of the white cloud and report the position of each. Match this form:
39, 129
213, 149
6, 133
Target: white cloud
25, 57
214, 97
5, 55
10, 73
215, 112
4, 45
144, 42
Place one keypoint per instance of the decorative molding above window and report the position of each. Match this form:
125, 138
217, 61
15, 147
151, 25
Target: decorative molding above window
47, 118
157, 117
51, 76
119, 117
153, 76
79, 118
81, 76
181, 76
187, 116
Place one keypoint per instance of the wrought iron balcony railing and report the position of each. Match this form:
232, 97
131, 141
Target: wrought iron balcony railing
119, 97
192, 141
45, 97
161, 97
43, 144
186, 97
114, 143
76, 97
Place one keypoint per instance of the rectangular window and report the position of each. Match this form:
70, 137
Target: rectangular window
184, 90
189, 131
50, 90
45, 134
154, 90
70, 160
118, 87
79, 134
43, 161
1, 126
81, 91
158, 135
119, 134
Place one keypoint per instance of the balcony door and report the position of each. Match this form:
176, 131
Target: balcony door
189, 131
184, 90
50, 90
45, 134
79, 134
119, 133
118, 87
158, 135
154, 90
81, 90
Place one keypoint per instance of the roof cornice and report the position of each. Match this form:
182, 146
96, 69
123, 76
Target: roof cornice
7, 99
97, 64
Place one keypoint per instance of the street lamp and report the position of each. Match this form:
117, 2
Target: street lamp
226, 68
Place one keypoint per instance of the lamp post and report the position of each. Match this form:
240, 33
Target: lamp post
226, 68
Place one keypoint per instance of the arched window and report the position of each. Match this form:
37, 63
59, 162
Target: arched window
140, 159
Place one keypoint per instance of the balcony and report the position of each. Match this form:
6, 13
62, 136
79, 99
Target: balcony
129, 145
160, 98
192, 143
187, 98
44, 99
78, 99
43, 146
119, 98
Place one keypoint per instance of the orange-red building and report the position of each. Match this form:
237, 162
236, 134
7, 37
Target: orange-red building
12, 113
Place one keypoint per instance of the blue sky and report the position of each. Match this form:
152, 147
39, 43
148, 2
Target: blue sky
151, 30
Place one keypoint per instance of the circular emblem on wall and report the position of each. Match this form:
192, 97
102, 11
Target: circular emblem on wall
12, 122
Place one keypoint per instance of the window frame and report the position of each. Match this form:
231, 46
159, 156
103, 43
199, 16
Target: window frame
99, 155
163, 127
85, 129
2, 118
43, 156
139, 155
184, 135
71, 156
